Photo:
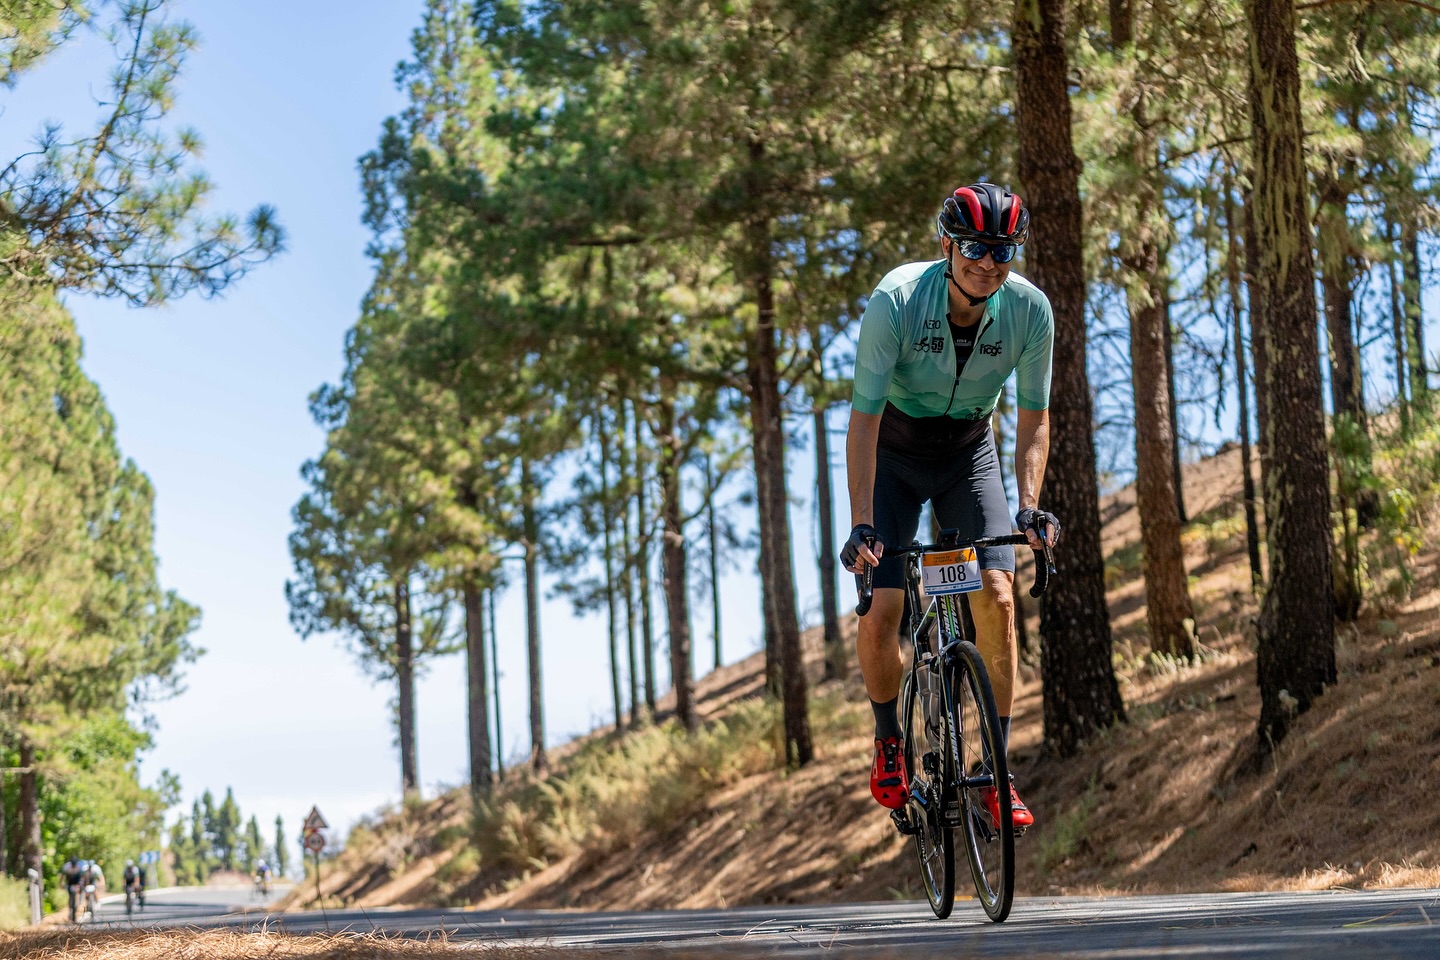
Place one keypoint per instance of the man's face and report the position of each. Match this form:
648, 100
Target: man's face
978, 278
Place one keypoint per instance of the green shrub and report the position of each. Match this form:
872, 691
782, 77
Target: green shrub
613, 792
14, 903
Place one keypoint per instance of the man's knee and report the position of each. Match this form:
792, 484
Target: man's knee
883, 620
998, 590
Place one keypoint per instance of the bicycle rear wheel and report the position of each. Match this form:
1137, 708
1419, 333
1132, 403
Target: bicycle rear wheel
927, 763
989, 846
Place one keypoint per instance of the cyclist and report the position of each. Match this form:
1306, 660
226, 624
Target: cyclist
73, 873
134, 878
262, 877
94, 880
938, 341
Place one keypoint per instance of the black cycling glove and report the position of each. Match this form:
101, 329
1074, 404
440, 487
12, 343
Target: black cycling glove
858, 537
1031, 519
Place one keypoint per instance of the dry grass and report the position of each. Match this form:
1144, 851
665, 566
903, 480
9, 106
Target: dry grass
221, 945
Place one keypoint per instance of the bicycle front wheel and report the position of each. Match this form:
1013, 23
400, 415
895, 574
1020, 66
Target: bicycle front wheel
989, 841
926, 756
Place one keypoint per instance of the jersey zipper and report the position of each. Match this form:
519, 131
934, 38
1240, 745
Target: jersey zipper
959, 373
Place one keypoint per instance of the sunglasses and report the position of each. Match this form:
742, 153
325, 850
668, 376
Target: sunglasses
976, 250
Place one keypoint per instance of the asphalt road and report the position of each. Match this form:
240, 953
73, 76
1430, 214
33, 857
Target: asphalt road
185, 906
1393, 923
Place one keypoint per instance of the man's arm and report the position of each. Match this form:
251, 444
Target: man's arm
860, 443
1032, 450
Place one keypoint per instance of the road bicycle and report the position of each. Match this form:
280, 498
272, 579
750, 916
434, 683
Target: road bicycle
953, 745
262, 887
134, 895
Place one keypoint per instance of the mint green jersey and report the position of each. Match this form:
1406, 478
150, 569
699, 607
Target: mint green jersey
906, 356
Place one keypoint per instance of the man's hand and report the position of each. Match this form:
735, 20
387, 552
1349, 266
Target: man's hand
858, 553
1031, 521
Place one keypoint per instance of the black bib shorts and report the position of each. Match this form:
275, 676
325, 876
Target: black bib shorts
963, 486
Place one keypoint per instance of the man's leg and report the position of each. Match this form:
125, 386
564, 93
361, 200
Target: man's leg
993, 607
877, 646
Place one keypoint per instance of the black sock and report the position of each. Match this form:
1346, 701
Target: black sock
887, 719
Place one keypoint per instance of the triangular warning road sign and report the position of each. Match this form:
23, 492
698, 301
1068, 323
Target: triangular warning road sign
315, 822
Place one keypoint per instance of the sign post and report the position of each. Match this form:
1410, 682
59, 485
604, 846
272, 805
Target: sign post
314, 841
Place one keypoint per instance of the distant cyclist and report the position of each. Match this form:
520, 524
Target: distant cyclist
938, 341
262, 878
94, 880
73, 873
134, 877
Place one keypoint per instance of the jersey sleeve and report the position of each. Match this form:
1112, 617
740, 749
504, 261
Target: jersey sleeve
1032, 374
876, 354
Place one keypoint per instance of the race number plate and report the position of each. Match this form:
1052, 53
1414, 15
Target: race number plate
950, 571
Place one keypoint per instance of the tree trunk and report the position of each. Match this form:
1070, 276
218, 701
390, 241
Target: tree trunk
1168, 612
538, 760
1397, 332
713, 533
1351, 429
602, 433
1080, 692
1159, 495
476, 687
30, 848
836, 661
1247, 479
1259, 312
495, 685
1296, 629
774, 674
642, 567
4, 822
627, 576
1346, 390
405, 678
1414, 312
768, 428
1176, 465
672, 563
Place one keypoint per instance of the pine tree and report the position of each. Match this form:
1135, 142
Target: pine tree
1081, 694
1296, 634
282, 848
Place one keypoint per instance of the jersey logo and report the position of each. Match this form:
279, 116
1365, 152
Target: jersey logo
930, 345
990, 349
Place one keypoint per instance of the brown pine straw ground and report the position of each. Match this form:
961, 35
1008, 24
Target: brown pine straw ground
218, 945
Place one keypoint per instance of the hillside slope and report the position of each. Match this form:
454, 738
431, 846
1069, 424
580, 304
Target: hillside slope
1161, 803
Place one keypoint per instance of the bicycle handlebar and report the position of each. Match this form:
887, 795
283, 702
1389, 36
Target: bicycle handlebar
1044, 572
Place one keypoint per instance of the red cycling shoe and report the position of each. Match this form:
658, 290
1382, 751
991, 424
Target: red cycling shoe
1020, 815
889, 781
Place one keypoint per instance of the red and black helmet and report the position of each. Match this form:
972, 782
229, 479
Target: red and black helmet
984, 211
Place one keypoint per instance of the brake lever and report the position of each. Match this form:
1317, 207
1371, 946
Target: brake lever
865, 584
1044, 572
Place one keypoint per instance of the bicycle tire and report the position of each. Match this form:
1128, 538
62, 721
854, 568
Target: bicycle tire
129, 902
934, 839
989, 849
